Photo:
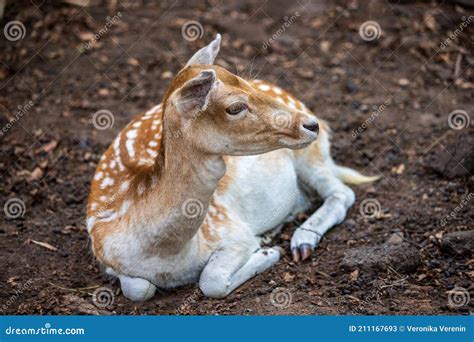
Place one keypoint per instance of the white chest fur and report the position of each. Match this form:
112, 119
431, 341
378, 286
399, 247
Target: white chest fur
264, 191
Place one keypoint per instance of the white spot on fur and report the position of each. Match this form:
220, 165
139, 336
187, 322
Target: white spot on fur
103, 198
106, 182
98, 175
129, 145
264, 87
132, 134
152, 153
153, 110
153, 143
124, 186
90, 223
137, 124
277, 90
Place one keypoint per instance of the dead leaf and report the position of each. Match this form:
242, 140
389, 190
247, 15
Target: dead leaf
36, 174
354, 275
42, 244
287, 277
47, 147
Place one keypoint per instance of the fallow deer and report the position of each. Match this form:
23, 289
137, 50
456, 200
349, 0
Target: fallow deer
187, 188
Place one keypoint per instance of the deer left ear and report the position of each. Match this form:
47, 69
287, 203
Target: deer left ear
207, 54
193, 97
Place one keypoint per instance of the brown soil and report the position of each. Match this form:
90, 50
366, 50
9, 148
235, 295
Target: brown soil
323, 60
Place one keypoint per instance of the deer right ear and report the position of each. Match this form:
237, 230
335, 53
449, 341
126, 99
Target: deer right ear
207, 54
193, 96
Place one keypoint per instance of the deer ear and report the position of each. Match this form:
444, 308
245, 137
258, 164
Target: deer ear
193, 96
207, 54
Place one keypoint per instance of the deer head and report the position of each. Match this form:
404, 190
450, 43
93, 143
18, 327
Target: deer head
220, 113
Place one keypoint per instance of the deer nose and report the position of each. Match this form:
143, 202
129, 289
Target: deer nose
313, 127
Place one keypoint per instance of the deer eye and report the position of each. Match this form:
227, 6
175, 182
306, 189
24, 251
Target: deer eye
236, 108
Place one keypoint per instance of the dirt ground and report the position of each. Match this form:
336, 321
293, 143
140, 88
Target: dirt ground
388, 101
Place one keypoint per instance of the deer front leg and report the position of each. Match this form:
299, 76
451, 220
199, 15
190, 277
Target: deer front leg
338, 198
230, 267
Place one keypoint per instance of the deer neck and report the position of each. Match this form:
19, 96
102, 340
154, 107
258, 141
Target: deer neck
188, 179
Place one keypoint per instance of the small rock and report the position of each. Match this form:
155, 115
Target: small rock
403, 82
395, 238
403, 257
287, 277
166, 74
36, 174
459, 242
